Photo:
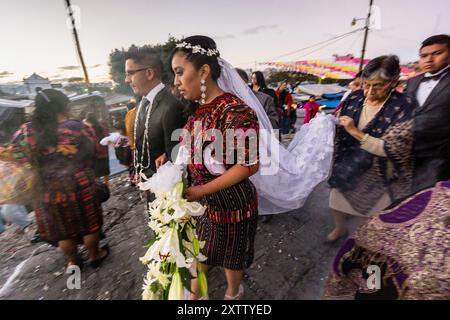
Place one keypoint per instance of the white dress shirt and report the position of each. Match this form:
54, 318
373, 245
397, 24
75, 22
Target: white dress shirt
152, 94
426, 87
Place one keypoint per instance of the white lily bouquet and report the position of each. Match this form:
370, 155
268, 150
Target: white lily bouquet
174, 253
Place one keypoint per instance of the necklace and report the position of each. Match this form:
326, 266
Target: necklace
139, 163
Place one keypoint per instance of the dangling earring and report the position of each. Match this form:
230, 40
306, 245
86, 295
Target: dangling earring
203, 91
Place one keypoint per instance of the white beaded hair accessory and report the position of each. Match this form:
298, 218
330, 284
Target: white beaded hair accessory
198, 49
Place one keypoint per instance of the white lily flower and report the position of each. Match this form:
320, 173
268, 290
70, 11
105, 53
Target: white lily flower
177, 192
148, 294
166, 249
195, 209
190, 233
156, 274
156, 226
190, 253
176, 287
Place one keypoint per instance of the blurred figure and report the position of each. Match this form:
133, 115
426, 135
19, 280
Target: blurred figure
65, 203
311, 109
266, 101
14, 213
409, 244
401, 87
285, 102
431, 91
130, 120
354, 85
119, 141
259, 85
101, 164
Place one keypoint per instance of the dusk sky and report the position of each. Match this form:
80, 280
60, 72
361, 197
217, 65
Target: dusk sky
35, 37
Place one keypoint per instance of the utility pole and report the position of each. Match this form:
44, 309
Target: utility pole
366, 33
77, 42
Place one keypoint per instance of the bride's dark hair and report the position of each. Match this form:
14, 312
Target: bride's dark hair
197, 59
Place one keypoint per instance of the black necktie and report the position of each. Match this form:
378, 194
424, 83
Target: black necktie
142, 113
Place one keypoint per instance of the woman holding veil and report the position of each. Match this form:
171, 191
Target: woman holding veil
226, 184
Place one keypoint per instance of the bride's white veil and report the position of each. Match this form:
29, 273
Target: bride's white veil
287, 175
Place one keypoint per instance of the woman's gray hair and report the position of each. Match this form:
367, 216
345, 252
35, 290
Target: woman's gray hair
384, 67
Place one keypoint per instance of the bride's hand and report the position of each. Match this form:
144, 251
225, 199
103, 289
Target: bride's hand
194, 193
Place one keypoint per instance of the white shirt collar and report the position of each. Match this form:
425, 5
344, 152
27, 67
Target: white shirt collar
152, 94
428, 74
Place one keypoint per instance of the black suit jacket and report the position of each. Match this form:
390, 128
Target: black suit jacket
166, 115
431, 133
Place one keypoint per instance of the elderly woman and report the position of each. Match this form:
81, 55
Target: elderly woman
372, 158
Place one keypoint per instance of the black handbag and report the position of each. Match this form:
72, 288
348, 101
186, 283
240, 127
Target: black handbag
102, 191
124, 155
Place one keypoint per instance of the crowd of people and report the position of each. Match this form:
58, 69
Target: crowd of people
391, 164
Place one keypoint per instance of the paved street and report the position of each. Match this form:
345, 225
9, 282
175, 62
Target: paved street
291, 262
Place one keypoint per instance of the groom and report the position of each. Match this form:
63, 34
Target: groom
158, 114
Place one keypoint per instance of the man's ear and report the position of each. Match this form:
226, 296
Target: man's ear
150, 74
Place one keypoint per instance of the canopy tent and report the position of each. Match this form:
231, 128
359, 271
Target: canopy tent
319, 89
329, 103
339, 67
5, 103
115, 99
12, 115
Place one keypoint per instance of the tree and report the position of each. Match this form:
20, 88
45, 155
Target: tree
117, 64
296, 78
292, 78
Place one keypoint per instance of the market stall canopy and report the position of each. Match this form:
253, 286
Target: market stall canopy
319, 89
5, 103
12, 115
338, 67
114, 99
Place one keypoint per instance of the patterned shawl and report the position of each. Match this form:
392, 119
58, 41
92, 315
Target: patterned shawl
357, 172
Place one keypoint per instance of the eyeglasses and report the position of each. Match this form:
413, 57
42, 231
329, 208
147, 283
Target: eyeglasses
375, 86
129, 73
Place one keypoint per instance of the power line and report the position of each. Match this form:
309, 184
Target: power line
353, 43
319, 43
320, 48
339, 37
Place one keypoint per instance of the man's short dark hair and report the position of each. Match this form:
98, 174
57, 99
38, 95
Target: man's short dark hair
242, 74
147, 57
437, 39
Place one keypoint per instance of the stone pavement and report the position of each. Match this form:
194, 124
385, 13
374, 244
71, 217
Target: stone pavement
291, 261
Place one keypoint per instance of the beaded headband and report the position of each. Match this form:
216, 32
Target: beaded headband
198, 49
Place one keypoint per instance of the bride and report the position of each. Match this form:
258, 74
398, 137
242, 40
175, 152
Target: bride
264, 178
286, 176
